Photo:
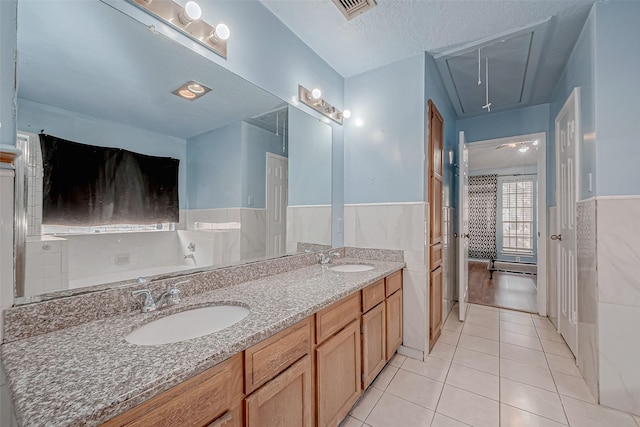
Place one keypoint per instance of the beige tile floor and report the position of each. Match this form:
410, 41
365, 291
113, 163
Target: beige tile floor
500, 368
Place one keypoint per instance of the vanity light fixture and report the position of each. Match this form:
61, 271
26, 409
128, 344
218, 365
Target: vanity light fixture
535, 143
190, 13
188, 20
346, 114
312, 98
191, 90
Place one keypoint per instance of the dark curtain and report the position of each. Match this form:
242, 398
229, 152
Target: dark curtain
483, 202
89, 185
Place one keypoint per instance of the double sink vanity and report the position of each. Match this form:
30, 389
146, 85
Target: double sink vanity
281, 342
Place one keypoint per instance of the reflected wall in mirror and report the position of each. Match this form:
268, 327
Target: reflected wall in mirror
254, 175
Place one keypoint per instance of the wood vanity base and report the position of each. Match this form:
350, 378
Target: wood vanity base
308, 375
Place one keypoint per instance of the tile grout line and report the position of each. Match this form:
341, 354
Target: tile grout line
564, 411
435, 411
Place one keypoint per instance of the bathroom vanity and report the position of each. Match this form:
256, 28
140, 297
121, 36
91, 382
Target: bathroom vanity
314, 340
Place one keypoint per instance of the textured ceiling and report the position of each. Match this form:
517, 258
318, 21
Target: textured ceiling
87, 57
398, 29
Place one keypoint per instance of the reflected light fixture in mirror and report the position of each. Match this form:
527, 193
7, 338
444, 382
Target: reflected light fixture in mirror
312, 98
188, 21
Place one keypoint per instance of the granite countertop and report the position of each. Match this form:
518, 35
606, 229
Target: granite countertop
87, 374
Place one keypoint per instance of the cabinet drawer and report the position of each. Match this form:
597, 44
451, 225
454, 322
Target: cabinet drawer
286, 401
435, 256
372, 295
232, 418
393, 282
333, 318
267, 359
196, 402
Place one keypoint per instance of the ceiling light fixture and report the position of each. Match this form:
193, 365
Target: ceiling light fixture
191, 90
312, 98
188, 20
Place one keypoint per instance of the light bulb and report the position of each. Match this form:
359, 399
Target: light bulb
523, 149
359, 122
346, 114
535, 142
190, 13
222, 32
316, 93
185, 93
195, 88
192, 10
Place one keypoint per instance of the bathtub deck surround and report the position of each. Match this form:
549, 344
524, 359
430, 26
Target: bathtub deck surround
93, 374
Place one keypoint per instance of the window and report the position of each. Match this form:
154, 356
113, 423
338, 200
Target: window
517, 216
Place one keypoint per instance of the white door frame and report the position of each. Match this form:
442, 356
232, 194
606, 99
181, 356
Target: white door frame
541, 209
266, 196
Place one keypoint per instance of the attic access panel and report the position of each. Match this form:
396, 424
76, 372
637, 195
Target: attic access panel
513, 63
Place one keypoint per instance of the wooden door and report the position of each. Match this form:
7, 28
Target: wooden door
436, 128
338, 370
285, 401
567, 134
394, 322
374, 343
435, 315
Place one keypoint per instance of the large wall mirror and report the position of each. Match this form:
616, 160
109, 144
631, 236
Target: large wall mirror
250, 175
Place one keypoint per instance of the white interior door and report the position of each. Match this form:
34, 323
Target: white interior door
463, 226
567, 136
277, 195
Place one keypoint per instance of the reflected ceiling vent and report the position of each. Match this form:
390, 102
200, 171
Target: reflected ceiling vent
352, 8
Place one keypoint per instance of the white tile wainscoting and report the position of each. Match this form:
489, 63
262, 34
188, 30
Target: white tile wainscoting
308, 224
403, 226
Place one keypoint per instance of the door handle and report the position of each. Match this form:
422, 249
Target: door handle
556, 237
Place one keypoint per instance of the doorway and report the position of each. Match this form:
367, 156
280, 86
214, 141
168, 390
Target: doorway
507, 223
276, 203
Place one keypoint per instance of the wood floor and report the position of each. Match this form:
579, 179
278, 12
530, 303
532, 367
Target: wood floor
505, 290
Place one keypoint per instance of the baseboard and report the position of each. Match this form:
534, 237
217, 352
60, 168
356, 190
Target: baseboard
411, 352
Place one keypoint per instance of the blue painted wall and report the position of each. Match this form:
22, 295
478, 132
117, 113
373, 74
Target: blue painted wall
228, 165
33, 117
520, 121
580, 71
617, 91
256, 143
310, 160
384, 158
8, 40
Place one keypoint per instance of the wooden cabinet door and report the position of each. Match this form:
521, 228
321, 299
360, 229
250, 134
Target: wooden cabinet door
394, 323
338, 375
435, 309
374, 343
436, 129
285, 401
199, 401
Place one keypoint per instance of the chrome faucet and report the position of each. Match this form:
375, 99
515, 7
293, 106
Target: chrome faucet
326, 259
169, 297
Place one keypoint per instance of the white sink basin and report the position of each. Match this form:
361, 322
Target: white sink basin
187, 324
352, 268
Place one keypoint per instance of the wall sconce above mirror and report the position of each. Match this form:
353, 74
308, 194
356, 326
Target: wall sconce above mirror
188, 21
313, 98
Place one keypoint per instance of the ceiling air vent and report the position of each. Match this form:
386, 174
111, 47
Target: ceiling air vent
353, 8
